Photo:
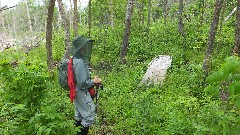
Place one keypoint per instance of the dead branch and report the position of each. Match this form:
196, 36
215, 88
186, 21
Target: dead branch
5, 8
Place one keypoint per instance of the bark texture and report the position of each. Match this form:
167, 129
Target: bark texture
165, 11
211, 37
180, 20
29, 18
236, 50
49, 28
75, 23
66, 25
128, 21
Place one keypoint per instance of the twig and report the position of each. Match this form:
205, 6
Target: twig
5, 8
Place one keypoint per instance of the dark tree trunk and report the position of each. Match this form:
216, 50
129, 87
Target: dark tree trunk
142, 12
111, 13
90, 17
66, 25
236, 50
128, 20
75, 22
221, 25
201, 8
180, 20
211, 37
165, 12
49, 34
149, 13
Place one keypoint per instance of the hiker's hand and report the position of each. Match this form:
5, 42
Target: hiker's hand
96, 80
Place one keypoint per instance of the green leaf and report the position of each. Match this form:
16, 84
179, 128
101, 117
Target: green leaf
231, 66
236, 77
231, 89
237, 103
213, 90
48, 131
230, 76
216, 77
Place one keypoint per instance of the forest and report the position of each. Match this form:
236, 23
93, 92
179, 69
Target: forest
199, 96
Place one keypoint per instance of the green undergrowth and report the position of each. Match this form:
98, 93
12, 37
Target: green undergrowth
126, 107
32, 101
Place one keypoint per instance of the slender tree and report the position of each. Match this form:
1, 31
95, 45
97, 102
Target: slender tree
165, 11
89, 17
3, 27
149, 13
66, 25
111, 13
128, 21
180, 20
75, 22
201, 9
142, 12
236, 50
49, 34
29, 18
221, 25
211, 37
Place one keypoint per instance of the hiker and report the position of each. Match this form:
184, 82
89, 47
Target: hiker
83, 102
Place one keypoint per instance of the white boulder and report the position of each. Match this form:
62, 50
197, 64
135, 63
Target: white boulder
157, 70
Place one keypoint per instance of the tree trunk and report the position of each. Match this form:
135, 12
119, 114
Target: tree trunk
75, 23
14, 26
149, 14
180, 20
142, 11
111, 13
221, 25
29, 19
70, 15
49, 34
211, 37
89, 17
236, 50
128, 20
141, 17
3, 26
9, 29
80, 18
201, 8
66, 25
165, 12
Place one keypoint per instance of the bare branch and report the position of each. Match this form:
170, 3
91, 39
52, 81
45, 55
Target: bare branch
5, 8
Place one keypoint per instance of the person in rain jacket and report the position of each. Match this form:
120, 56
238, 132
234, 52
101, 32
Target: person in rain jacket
85, 108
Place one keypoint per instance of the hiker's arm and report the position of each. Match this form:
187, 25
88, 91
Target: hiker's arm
81, 76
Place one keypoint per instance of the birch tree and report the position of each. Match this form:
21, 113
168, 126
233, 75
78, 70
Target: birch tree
236, 50
211, 37
49, 34
89, 17
29, 18
66, 25
128, 21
